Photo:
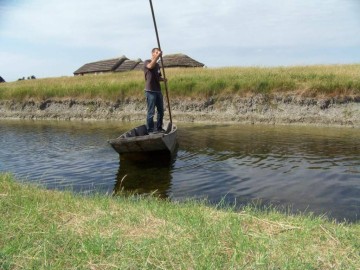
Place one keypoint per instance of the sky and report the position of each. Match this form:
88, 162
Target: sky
53, 38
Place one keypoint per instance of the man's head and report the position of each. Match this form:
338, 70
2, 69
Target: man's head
155, 52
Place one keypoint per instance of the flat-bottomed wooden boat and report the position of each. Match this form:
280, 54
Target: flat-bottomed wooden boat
138, 140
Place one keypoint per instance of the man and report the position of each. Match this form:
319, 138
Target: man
154, 97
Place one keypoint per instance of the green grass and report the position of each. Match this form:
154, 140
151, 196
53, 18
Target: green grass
42, 229
308, 81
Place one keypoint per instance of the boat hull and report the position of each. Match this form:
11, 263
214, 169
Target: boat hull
138, 140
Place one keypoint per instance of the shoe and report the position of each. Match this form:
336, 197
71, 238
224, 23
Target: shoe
161, 130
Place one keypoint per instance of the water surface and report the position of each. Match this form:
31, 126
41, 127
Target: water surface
312, 169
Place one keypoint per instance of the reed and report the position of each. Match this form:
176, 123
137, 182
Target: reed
42, 229
307, 81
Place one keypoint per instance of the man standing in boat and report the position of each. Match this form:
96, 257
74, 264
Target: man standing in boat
154, 97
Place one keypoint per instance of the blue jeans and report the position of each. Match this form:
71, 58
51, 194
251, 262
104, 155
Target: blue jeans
154, 99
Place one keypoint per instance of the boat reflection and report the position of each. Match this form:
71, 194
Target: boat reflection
148, 173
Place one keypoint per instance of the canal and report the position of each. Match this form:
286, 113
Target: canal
295, 168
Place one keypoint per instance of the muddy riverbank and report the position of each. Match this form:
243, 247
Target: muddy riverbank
253, 109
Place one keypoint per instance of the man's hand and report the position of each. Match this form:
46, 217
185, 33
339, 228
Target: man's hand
158, 54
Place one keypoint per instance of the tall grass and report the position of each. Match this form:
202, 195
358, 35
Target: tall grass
106, 86
42, 229
312, 81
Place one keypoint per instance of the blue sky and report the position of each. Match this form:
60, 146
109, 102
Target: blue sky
53, 38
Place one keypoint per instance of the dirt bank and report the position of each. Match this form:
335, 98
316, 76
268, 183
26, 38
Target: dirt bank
255, 109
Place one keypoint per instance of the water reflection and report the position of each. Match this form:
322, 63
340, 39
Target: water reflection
260, 141
145, 173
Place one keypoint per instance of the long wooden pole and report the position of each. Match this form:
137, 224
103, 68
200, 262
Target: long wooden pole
161, 60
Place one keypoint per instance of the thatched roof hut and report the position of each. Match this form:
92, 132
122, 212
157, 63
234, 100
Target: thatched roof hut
102, 66
128, 65
180, 60
124, 64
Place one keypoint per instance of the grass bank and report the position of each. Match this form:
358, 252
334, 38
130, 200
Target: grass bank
307, 81
42, 229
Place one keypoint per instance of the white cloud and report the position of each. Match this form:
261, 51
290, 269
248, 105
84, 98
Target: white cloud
88, 30
80, 23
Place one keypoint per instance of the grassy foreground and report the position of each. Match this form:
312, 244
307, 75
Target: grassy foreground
308, 81
41, 229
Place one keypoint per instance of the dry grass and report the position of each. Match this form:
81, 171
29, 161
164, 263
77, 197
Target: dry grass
309, 81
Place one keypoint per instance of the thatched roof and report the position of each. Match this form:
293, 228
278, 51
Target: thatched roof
175, 60
128, 65
101, 66
1, 79
139, 66
180, 60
